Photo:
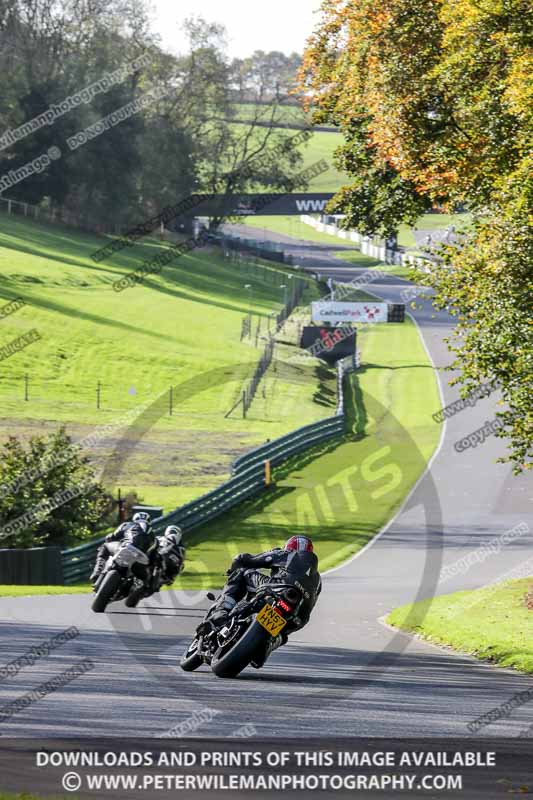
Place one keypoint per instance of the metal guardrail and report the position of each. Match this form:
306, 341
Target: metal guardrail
292, 443
248, 480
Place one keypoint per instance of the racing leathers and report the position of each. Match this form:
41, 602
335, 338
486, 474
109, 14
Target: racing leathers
245, 578
113, 541
172, 559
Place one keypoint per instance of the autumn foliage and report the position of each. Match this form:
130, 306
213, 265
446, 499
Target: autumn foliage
435, 101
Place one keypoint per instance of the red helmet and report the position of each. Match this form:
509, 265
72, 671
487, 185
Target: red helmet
302, 544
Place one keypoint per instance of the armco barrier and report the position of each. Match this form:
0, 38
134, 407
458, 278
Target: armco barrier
34, 566
248, 479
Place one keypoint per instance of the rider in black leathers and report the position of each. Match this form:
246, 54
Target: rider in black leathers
245, 578
140, 524
171, 553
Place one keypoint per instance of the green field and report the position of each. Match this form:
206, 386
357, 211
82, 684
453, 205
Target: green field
357, 259
492, 623
284, 113
320, 146
180, 329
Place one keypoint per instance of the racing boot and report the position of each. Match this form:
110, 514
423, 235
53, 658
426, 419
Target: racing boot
98, 569
219, 613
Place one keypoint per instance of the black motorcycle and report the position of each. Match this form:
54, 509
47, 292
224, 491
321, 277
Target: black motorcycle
255, 627
126, 572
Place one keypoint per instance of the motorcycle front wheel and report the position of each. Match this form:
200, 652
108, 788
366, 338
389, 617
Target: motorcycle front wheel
107, 590
191, 659
135, 596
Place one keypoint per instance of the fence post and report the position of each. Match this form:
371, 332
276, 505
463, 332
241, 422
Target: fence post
26, 394
268, 473
170, 400
244, 405
98, 387
121, 509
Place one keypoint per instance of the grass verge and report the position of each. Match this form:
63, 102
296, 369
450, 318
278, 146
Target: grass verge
492, 623
27, 591
293, 227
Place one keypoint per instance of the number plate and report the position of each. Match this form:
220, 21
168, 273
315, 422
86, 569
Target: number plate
271, 620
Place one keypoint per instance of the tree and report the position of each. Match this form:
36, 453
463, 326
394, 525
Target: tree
185, 141
264, 75
232, 156
49, 493
378, 198
439, 95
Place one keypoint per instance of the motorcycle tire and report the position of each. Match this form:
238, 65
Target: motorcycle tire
231, 662
135, 597
190, 660
107, 590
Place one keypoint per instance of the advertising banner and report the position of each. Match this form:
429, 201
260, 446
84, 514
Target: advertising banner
329, 344
335, 312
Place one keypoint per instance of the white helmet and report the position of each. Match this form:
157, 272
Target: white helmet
173, 534
141, 516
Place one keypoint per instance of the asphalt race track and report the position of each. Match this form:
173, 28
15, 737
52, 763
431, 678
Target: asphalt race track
346, 673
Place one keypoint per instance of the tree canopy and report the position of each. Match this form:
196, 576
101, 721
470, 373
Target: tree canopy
434, 98
184, 140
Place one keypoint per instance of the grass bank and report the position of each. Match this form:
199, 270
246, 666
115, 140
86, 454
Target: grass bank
492, 623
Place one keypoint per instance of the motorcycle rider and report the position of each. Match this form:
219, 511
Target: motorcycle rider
245, 577
140, 523
171, 553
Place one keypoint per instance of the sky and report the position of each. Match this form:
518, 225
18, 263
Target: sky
251, 24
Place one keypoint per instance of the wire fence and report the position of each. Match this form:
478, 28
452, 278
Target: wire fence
47, 394
59, 216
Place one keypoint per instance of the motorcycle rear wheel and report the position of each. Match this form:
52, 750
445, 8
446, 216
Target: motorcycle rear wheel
231, 662
107, 589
